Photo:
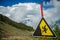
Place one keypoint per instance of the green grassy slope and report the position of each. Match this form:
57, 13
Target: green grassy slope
17, 25
11, 28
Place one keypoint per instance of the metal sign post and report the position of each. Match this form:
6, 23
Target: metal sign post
43, 38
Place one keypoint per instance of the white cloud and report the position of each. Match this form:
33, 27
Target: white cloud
53, 14
4, 11
29, 13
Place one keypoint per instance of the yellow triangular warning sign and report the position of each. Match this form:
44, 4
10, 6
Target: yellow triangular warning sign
43, 29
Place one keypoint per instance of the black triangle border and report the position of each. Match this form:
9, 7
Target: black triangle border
54, 35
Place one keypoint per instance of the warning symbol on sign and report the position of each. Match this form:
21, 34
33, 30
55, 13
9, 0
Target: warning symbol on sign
43, 29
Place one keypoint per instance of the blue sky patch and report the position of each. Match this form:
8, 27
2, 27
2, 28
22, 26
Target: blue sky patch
12, 2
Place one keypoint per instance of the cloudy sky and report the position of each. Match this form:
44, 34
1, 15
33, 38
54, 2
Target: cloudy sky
28, 11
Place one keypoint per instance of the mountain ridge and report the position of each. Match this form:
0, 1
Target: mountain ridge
10, 22
11, 28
